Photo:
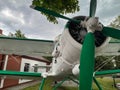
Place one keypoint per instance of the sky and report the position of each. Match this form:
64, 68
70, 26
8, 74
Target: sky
16, 14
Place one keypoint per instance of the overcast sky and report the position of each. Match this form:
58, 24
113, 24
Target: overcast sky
16, 14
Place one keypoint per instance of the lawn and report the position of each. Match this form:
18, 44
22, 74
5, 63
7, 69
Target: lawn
106, 83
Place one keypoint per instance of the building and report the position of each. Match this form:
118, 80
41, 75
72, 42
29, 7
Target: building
19, 63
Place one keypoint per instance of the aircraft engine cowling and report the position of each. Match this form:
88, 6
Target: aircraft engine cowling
69, 43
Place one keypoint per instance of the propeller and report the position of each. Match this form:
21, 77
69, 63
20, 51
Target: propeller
50, 12
87, 62
87, 55
112, 32
93, 5
107, 31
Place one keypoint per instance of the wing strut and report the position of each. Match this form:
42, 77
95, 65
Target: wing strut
42, 84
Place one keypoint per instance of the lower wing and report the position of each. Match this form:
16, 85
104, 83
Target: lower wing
113, 48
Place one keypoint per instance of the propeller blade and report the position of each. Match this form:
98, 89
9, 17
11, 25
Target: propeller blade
112, 32
93, 5
50, 12
87, 62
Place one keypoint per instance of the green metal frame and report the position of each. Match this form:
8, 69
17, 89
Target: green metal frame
28, 74
107, 72
75, 81
60, 83
97, 84
16, 73
42, 84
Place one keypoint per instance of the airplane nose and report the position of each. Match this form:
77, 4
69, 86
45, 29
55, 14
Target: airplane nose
79, 31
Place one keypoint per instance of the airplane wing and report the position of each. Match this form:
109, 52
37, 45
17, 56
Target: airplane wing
113, 48
19, 46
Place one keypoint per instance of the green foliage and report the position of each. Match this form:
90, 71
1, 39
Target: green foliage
19, 34
116, 23
103, 63
59, 6
117, 58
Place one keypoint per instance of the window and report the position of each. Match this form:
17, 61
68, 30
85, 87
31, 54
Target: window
36, 68
26, 67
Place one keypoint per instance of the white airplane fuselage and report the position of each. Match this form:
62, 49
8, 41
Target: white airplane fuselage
66, 54
67, 49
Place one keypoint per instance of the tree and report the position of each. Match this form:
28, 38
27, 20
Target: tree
59, 6
116, 23
17, 34
117, 58
103, 63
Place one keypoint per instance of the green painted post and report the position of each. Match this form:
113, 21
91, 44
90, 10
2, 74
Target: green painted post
42, 84
96, 82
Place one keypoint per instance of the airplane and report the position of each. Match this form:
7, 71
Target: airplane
73, 51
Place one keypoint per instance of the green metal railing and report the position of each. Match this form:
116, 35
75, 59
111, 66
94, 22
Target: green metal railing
107, 72
16, 73
42, 84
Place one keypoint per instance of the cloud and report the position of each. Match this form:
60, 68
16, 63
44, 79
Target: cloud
16, 14
107, 10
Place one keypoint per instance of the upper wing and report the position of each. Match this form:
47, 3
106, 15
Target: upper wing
113, 48
20, 46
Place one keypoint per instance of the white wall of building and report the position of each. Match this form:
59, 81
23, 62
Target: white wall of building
31, 68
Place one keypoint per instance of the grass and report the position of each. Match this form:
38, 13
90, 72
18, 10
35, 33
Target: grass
106, 83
